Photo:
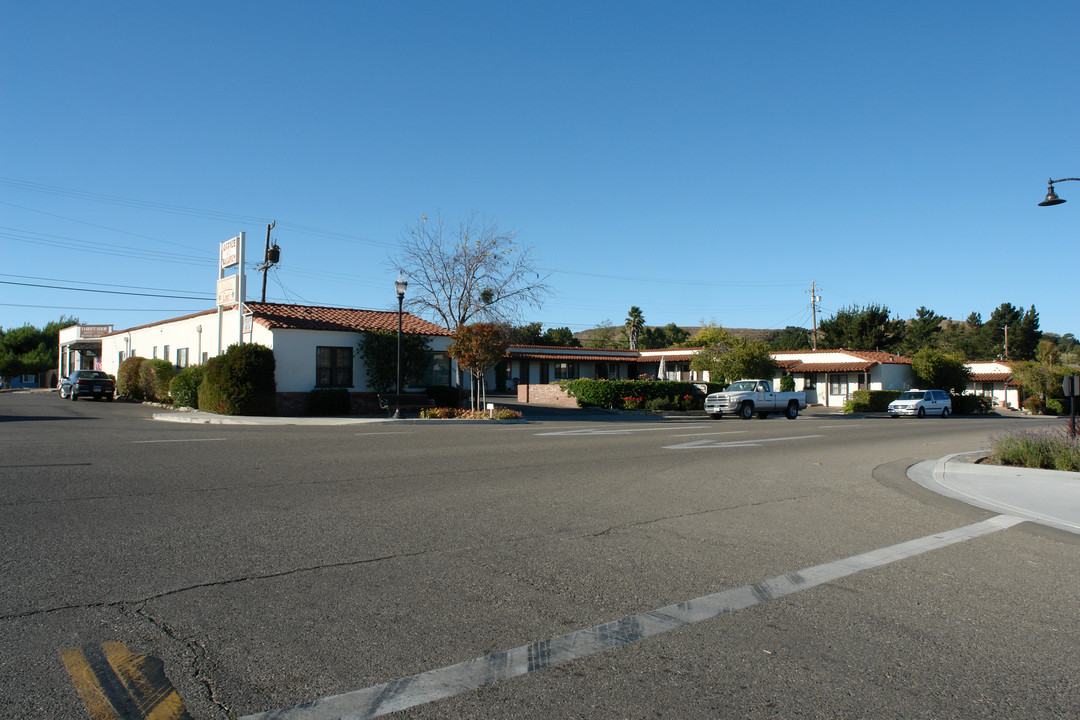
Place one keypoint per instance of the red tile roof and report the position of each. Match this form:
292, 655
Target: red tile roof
308, 317
990, 377
831, 367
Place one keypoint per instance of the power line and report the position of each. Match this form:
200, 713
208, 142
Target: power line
105, 292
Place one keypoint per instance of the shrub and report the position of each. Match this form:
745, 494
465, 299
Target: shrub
624, 394
1054, 407
1034, 405
129, 378
240, 382
870, 401
154, 378
329, 401
451, 413
1053, 450
657, 403
971, 405
787, 383
184, 388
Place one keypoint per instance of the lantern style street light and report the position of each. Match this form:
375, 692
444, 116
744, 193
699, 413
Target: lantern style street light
1051, 196
1070, 389
400, 285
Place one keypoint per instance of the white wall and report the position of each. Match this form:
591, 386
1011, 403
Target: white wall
180, 333
294, 350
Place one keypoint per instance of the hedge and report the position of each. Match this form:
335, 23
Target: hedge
240, 382
184, 388
155, 377
129, 378
634, 394
870, 401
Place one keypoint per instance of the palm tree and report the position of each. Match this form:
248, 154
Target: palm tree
635, 323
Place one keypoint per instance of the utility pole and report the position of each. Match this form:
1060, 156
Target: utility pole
814, 300
270, 257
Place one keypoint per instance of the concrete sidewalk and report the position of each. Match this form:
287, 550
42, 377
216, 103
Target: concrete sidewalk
1048, 497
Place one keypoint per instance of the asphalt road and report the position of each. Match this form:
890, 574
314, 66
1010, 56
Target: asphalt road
273, 566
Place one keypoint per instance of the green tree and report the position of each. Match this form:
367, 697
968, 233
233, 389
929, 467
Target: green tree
1027, 336
861, 328
791, 338
477, 347
379, 350
670, 335
28, 350
728, 358
935, 369
605, 335
634, 324
528, 334
559, 337
992, 333
922, 331
1040, 379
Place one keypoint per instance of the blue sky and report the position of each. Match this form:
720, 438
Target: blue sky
701, 160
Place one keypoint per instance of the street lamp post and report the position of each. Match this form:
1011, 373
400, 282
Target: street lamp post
1053, 199
400, 285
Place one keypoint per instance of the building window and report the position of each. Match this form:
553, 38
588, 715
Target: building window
564, 370
165, 353
181, 357
333, 367
438, 371
153, 355
810, 381
838, 385
205, 356
120, 357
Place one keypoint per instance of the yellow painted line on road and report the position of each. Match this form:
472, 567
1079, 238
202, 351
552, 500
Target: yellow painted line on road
115, 684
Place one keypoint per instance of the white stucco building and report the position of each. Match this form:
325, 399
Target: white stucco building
314, 347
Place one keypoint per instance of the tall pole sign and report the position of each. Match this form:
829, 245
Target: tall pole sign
231, 289
1070, 388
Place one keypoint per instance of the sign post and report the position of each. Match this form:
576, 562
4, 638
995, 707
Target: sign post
1070, 388
231, 289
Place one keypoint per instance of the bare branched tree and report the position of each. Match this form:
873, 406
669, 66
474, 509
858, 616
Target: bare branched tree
467, 272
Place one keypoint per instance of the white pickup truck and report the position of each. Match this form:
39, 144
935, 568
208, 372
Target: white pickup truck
746, 397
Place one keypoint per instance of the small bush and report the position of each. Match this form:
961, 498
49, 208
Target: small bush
787, 383
155, 377
240, 382
972, 404
1054, 407
324, 402
129, 378
657, 403
1053, 450
870, 401
184, 388
451, 413
1034, 405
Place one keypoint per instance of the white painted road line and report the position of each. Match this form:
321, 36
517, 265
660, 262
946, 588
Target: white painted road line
698, 444
455, 679
178, 440
621, 431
